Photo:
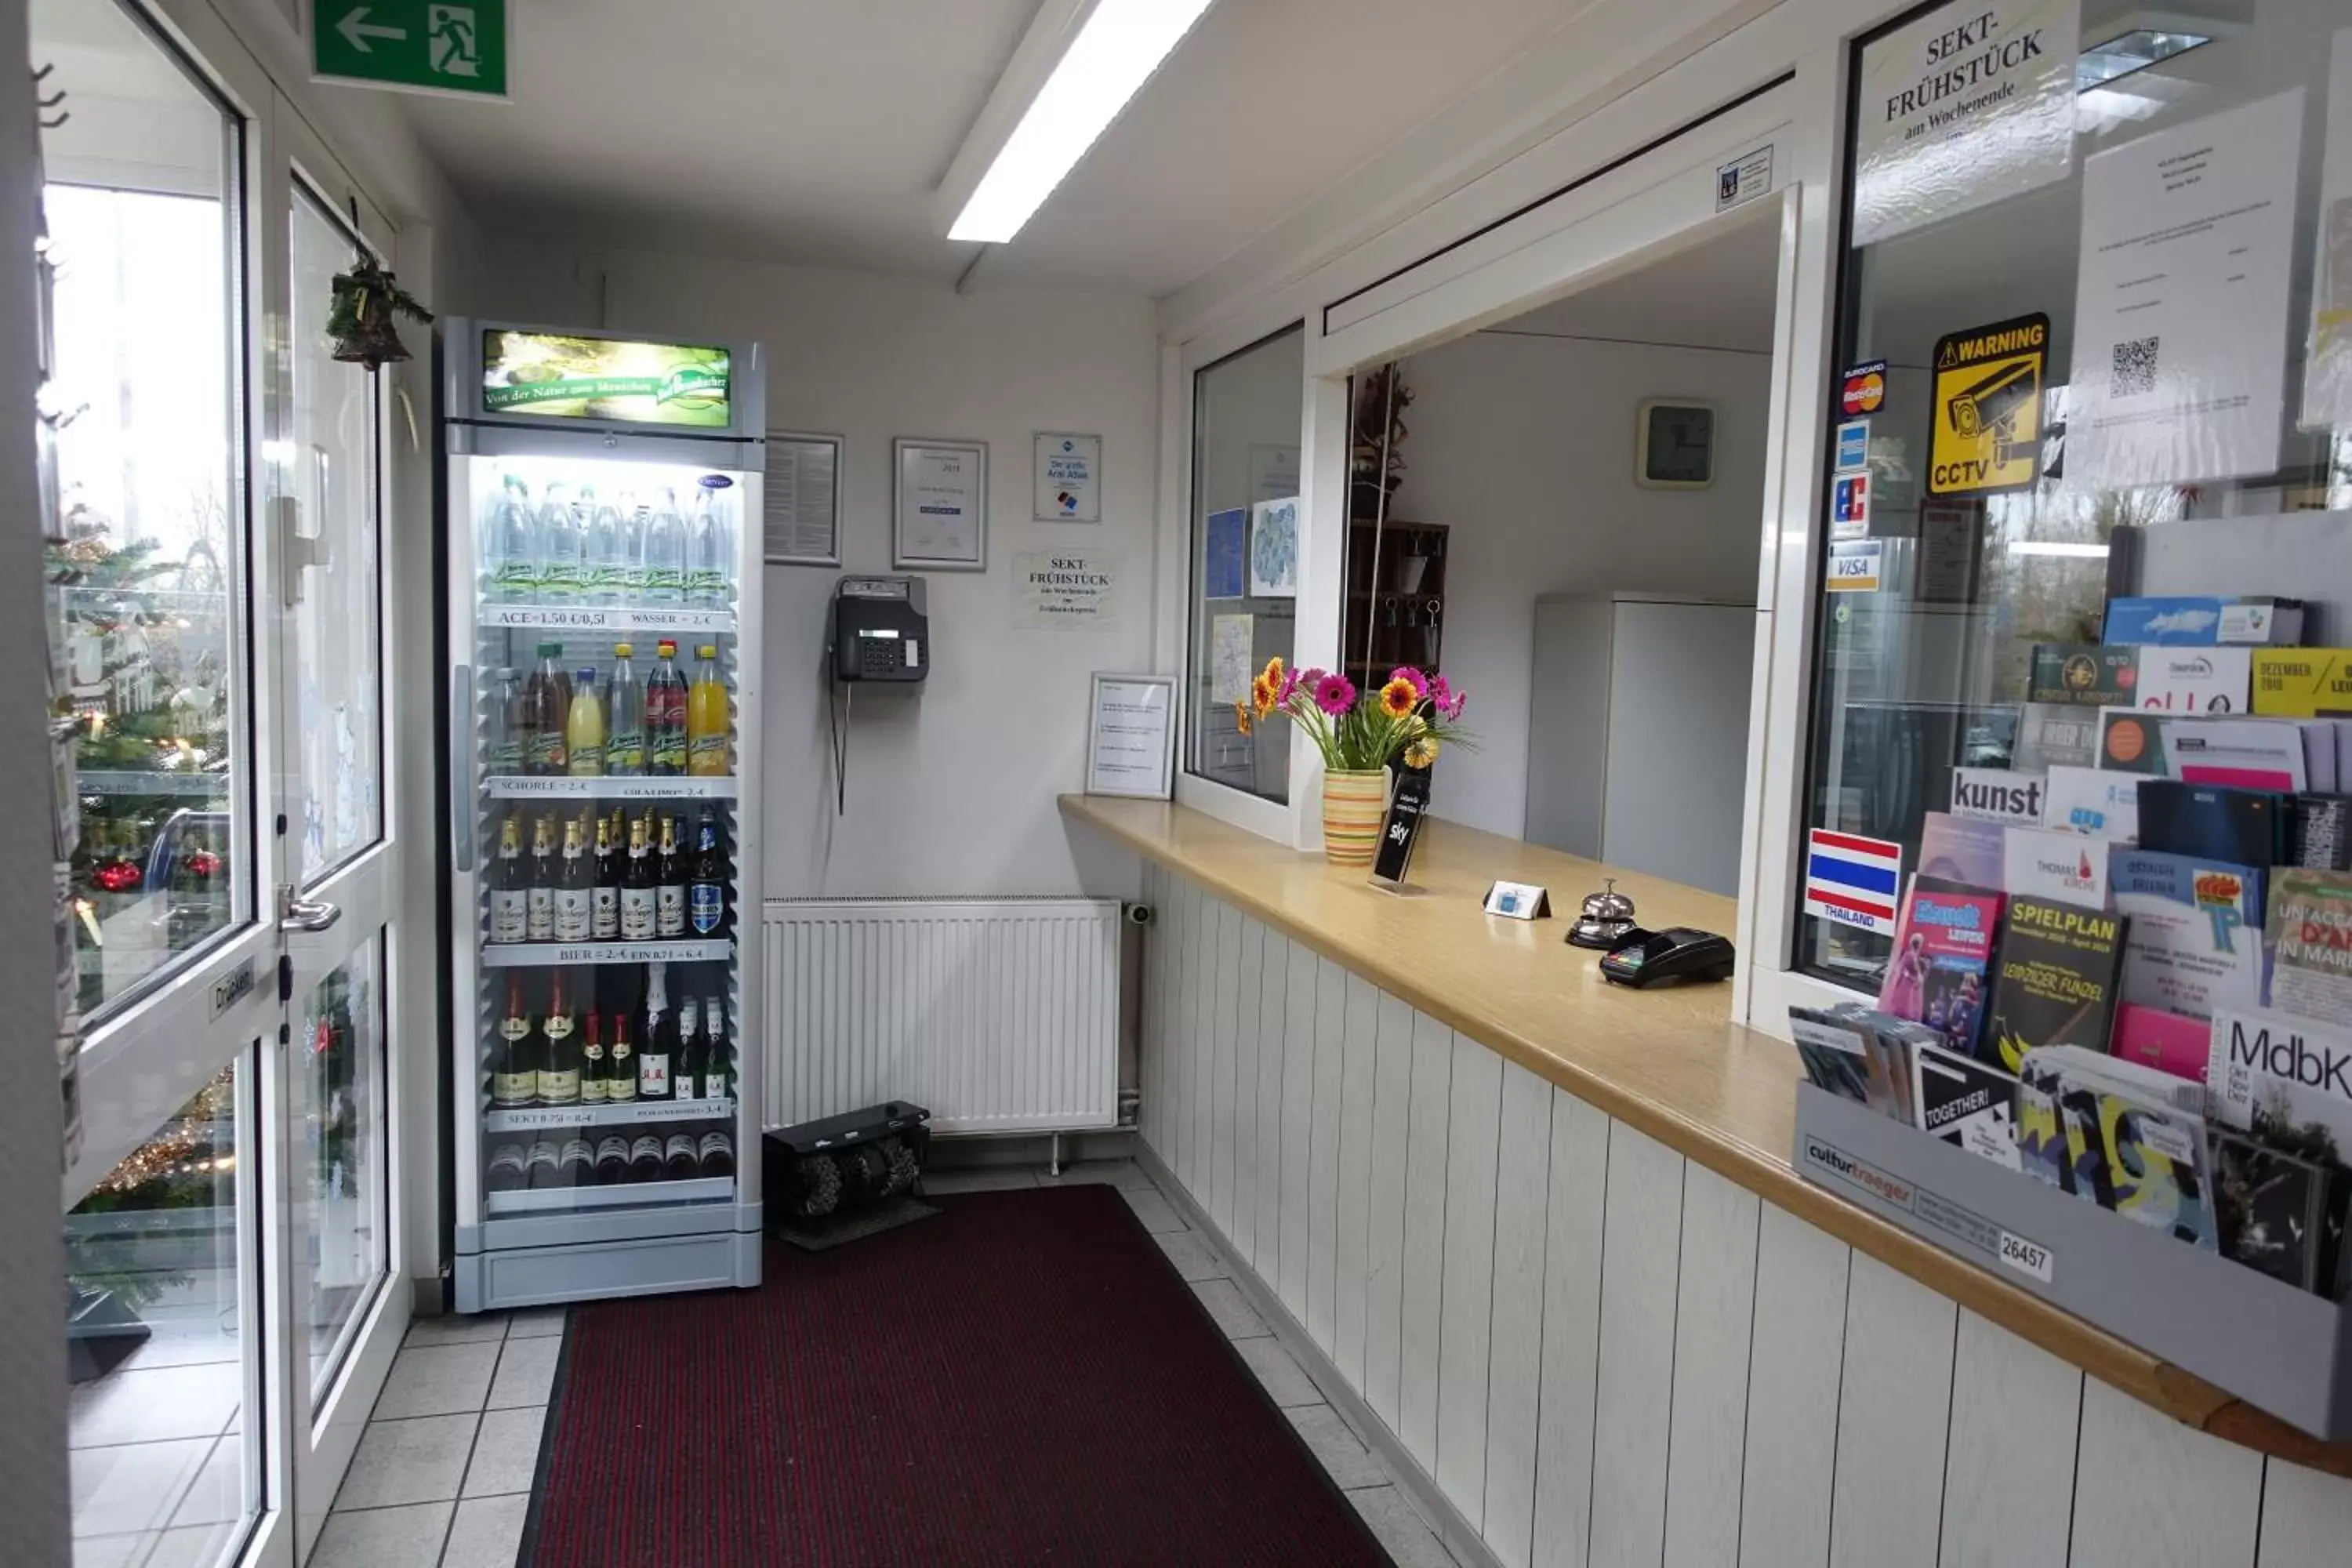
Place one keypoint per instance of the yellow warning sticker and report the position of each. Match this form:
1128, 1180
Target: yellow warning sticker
1987, 419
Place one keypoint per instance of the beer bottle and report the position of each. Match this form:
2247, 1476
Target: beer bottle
637, 900
669, 884
574, 887
559, 1071
514, 1072
595, 1082
510, 887
621, 1076
605, 898
706, 889
539, 899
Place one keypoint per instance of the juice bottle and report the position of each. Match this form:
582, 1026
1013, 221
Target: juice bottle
546, 704
583, 729
706, 717
666, 713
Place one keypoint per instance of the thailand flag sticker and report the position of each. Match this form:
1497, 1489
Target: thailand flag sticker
1853, 880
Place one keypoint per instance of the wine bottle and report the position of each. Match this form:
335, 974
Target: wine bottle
653, 1056
717, 1154
669, 884
686, 1054
539, 906
595, 1078
508, 1169
559, 1071
706, 889
621, 1087
514, 1071
682, 1157
510, 887
576, 1166
645, 1157
638, 915
612, 1160
544, 1163
573, 887
715, 1063
605, 898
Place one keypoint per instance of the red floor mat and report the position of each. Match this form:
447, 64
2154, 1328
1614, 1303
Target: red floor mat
1022, 1380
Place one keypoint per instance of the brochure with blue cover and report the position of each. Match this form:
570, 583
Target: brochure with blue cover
2194, 943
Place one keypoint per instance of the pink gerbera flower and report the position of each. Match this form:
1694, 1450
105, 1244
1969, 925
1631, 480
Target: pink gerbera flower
1290, 679
1412, 678
1335, 694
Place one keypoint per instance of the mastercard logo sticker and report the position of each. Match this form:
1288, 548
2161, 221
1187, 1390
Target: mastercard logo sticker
1865, 388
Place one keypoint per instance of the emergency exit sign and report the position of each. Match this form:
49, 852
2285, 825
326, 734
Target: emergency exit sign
411, 46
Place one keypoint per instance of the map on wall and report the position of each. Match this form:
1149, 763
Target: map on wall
1274, 550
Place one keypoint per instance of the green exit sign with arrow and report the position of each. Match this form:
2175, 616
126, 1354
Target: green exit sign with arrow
412, 45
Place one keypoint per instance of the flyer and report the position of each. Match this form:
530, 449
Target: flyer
2327, 369
2181, 301
2194, 943
1956, 112
2311, 933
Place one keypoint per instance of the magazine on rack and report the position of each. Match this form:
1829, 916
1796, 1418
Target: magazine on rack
1943, 958
2195, 937
2311, 939
2055, 980
2134, 1140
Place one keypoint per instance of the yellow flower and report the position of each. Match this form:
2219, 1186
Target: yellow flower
1272, 676
1241, 716
1262, 691
1421, 753
1399, 699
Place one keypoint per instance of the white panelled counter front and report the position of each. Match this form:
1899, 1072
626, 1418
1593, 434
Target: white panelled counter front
1545, 1232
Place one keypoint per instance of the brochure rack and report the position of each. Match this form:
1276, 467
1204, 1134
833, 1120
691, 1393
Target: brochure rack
2285, 1350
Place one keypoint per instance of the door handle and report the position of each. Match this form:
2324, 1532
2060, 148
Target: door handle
308, 914
461, 731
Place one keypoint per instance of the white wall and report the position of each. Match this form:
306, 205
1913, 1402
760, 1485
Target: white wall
1525, 445
951, 791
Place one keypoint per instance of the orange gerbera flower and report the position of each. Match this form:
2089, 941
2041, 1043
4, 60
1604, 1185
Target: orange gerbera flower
1241, 716
1399, 697
1262, 694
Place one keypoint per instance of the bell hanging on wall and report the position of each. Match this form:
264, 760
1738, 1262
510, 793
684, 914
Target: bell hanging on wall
361, 319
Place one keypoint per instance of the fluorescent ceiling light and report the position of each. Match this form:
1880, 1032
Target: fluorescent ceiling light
1113, 55
2049, 547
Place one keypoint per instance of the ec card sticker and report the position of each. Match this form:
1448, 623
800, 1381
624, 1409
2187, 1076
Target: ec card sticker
1849, 506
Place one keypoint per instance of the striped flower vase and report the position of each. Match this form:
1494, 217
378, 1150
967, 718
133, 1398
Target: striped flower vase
1354, 803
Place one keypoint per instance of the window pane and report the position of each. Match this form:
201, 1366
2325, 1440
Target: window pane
331, 472
1246, 414
2183, 432
140, 211
160, 1344
339, 1089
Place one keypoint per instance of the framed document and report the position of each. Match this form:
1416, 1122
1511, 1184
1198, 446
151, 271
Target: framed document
1068, 483
1131, 736
802, 525
940, 520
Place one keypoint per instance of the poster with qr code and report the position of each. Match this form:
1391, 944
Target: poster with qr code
2327, 369
2181, 312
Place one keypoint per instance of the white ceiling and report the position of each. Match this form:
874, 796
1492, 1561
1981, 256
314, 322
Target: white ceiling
816, 130
1718, 294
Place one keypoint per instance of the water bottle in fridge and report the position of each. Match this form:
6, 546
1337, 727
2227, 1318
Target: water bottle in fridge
632, 549
562, 549
665, 547
607, 576
510, 574
708, 578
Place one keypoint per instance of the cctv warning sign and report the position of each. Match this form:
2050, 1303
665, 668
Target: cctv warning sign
1987, 418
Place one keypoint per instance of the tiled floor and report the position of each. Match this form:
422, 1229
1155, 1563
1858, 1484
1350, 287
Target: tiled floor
442, 1477
443, 1474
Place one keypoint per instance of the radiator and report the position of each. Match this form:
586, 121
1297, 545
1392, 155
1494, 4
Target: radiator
1000, 1014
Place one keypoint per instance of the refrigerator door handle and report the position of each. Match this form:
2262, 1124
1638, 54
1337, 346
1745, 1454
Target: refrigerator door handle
461, 728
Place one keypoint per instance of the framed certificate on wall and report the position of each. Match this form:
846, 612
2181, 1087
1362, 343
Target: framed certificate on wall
1131, 736
940, 511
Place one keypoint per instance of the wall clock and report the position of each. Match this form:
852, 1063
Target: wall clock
1673, 444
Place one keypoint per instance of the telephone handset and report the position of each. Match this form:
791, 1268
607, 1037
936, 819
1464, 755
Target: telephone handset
880, 631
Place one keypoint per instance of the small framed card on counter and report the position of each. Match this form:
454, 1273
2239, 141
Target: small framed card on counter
1518, 901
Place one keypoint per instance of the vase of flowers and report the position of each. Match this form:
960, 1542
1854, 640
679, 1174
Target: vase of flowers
1361, 736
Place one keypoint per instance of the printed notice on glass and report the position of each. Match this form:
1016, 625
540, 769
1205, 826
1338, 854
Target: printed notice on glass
1067, 588
2180, 304
2327, 373
802, 525
1129, 735
1231, 643
942, 506
1961, 107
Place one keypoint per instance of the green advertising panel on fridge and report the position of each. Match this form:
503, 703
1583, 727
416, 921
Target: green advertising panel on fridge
603, 601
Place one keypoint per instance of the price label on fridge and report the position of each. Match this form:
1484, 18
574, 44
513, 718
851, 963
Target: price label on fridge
604, 787
556, 617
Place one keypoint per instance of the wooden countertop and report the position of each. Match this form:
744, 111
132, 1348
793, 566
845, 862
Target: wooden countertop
1669, 1062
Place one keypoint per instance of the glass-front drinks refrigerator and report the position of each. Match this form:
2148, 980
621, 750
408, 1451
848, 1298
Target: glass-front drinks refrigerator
602, 613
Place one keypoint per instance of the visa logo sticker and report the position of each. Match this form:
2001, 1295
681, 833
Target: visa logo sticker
1853, 445
1852, 568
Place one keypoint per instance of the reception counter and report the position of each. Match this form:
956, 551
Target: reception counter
1546, 1230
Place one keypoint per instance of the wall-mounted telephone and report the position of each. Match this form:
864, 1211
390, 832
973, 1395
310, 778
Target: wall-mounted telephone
880, 631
